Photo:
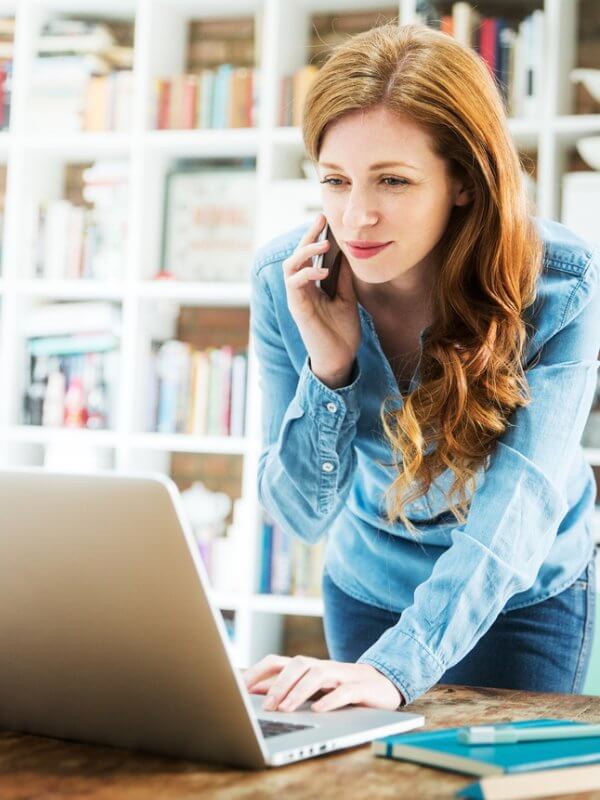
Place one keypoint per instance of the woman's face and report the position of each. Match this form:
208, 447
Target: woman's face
407, 204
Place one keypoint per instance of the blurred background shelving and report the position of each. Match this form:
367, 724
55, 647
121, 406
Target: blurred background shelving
120, 123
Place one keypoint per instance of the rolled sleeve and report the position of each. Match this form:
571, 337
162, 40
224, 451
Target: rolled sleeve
307, 460
514, 514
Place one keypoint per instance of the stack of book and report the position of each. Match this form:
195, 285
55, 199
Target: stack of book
86, 239
72, 365
517, 759
200, 392
327, 30
219, 88
515, 58
7, 34
287, 565
82, 76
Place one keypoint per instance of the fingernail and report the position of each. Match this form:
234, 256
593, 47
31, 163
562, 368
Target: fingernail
269, 704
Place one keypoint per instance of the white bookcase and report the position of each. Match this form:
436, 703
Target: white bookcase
35, 159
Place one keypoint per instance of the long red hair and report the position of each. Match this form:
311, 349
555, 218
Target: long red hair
472, 376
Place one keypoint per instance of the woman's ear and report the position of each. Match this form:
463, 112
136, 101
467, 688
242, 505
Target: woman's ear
462, 188
463, 196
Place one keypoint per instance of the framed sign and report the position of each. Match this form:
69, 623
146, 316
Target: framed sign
209, 221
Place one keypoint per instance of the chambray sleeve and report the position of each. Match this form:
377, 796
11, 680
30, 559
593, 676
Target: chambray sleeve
307, 459
515, 512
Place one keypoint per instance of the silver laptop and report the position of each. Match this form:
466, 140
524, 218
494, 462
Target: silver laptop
108, 635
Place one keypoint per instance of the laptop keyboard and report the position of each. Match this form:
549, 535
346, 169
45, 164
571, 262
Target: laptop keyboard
270, 728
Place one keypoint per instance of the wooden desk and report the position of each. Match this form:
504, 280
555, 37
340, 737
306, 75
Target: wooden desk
48, 769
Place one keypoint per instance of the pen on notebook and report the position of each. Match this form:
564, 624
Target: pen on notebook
488, 734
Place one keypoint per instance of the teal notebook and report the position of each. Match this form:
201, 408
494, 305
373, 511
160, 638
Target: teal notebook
441, 748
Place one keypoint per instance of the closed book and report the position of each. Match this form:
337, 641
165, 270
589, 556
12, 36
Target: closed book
221, 96
214, 392
163, 91
175, 118
205, 98
441, 748
226, 358
190, 96
542, 783
487, 42
123, 87
446, 24
199, 426
238, 395
465, 23
56, 232
301, 82
264, 583
72, 345
74, 317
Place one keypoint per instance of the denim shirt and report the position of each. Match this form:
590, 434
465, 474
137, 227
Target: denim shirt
528, 533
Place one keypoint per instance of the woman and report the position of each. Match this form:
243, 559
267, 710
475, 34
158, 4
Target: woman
466, 349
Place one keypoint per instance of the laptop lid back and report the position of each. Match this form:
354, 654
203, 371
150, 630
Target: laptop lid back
106, 632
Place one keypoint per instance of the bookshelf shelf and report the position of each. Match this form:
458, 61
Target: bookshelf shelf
70, 289
80, 145
214, 142
288, 604
37, 160
208, 294
45, 435
186, 443
576, 123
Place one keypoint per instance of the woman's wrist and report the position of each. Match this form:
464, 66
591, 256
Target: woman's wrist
332, 379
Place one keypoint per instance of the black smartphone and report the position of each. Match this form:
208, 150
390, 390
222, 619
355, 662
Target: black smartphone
331, 260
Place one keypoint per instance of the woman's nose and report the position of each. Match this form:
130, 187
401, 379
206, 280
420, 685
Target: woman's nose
358, 215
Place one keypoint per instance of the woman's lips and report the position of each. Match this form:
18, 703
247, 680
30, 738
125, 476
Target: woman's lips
366, 252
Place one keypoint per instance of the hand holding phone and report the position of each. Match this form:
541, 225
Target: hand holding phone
327, 317
330, 260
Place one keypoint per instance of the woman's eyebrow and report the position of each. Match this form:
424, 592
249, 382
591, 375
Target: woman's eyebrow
379, 165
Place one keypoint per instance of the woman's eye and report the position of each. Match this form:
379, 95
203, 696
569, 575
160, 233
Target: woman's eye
397, 181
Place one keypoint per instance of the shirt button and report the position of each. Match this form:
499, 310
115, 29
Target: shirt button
331, 407
328, 467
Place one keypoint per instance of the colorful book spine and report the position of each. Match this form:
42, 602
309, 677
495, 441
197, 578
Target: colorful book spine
201, 392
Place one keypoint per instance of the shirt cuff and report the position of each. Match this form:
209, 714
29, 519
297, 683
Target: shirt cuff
316, 398
421, 669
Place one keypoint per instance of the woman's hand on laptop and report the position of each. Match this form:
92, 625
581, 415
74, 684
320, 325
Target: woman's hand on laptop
289, 682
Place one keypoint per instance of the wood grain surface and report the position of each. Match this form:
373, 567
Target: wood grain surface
49, 769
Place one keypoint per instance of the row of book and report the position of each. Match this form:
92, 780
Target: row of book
72, 363
201, 392
225, 97
86, 239
7, 35
67, 384
81, 77
288, 565
514, 57
6, 72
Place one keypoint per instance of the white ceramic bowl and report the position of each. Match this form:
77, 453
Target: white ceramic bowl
588, 148
590, 79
